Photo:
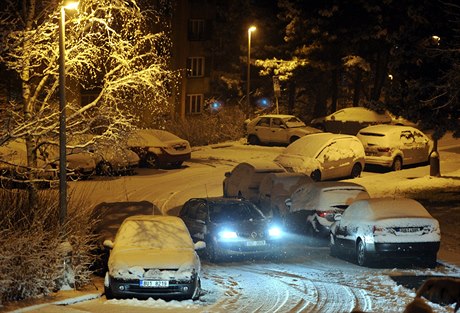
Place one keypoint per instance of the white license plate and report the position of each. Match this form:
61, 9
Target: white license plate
255, 243
154, 283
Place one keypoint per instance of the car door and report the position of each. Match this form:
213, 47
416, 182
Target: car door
263, 130
344, 230
279, 133
422, 147
190, 215
331, 161
408, 146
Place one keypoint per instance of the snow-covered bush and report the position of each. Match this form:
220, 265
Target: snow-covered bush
208, 128
32, 258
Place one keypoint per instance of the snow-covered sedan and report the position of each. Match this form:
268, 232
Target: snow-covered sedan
230, 227
379, 228
159, 148
324, 156
152, 256
277, 129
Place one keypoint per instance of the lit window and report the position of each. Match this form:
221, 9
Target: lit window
194, 103
195, 67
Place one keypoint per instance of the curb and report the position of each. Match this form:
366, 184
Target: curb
65, 302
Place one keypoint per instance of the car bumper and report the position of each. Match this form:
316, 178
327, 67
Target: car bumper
411, 249
247, 247
165, 158
381, 161
131, 289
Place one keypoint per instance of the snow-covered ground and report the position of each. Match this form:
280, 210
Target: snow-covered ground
304, 278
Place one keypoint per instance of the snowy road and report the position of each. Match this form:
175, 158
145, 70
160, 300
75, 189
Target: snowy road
304, 279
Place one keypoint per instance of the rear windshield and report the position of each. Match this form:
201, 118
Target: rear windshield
372, 134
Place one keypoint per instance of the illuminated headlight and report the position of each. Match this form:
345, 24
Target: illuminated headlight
274, 232
227, 234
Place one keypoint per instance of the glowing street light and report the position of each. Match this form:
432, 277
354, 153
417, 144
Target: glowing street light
62, 114
248, 78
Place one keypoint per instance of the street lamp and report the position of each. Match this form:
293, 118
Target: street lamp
62, 114
248, 78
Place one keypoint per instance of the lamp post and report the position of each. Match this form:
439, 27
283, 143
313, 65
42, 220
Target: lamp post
62, 115
248, 78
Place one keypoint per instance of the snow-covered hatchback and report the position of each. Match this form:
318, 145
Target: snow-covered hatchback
394, 146
152, 256
324, 156
277, 129
379, 228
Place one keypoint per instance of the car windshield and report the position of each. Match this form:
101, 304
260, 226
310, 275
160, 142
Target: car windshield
292, 122
153, 234
235, 212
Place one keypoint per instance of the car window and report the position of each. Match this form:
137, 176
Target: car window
293, 122
235, 211
191, 209
407, 137
264, 121
277, 122
419, 137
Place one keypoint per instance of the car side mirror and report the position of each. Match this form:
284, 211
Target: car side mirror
337, 217
228, 174
288, 202
200, 245
108, 243
283, 126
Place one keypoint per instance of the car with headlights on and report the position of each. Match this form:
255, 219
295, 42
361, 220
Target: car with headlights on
158, 148
152, 256
324, 156
386, 228
314, 206
230, 227
394, 146
277, 129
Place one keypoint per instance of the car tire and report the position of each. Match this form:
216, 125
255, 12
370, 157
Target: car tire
356, 170
108, 293
316, 175
151, 161
197, 293
212, 251
333, 247
253, 140
397, 164
362, 258
104, 168
293, 138
177, 164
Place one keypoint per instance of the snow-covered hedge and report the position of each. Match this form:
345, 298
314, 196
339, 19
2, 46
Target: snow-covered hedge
32, 240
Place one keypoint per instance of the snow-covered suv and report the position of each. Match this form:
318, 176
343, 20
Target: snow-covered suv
277, 129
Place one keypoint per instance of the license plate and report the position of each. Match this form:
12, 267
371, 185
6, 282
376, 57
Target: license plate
154, 283
255, 243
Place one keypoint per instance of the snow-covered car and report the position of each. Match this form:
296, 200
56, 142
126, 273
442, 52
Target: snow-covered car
159, 148
350, 120
313, 206
277, 129
110, 158
245, 178
324, 156
275, 188
230, 227
80, 163
13, 165
152, 256
381, 228
394, 146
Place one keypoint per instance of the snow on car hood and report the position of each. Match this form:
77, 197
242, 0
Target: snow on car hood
132, 263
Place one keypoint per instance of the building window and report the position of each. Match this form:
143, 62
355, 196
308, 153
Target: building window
195, 67
194, 104
196, 30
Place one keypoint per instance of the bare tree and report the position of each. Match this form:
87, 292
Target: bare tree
113, 47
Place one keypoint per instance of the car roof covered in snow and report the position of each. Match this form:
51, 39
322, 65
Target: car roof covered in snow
311, 144
263, 166
384, 129
360, 114
374, 209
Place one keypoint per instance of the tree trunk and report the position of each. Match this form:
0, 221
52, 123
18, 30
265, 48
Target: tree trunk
334, 89
381, 70
357, 87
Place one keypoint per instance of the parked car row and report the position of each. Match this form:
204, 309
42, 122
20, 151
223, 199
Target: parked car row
357, 225
86, 156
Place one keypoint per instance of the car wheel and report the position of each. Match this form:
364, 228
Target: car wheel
316, 175
104, 168
239, 195
333, 247
151, 161
397, 164
212, 250
197, 292
361, 254
177, 164
253, 140
293, 138
107, 290
356, 170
